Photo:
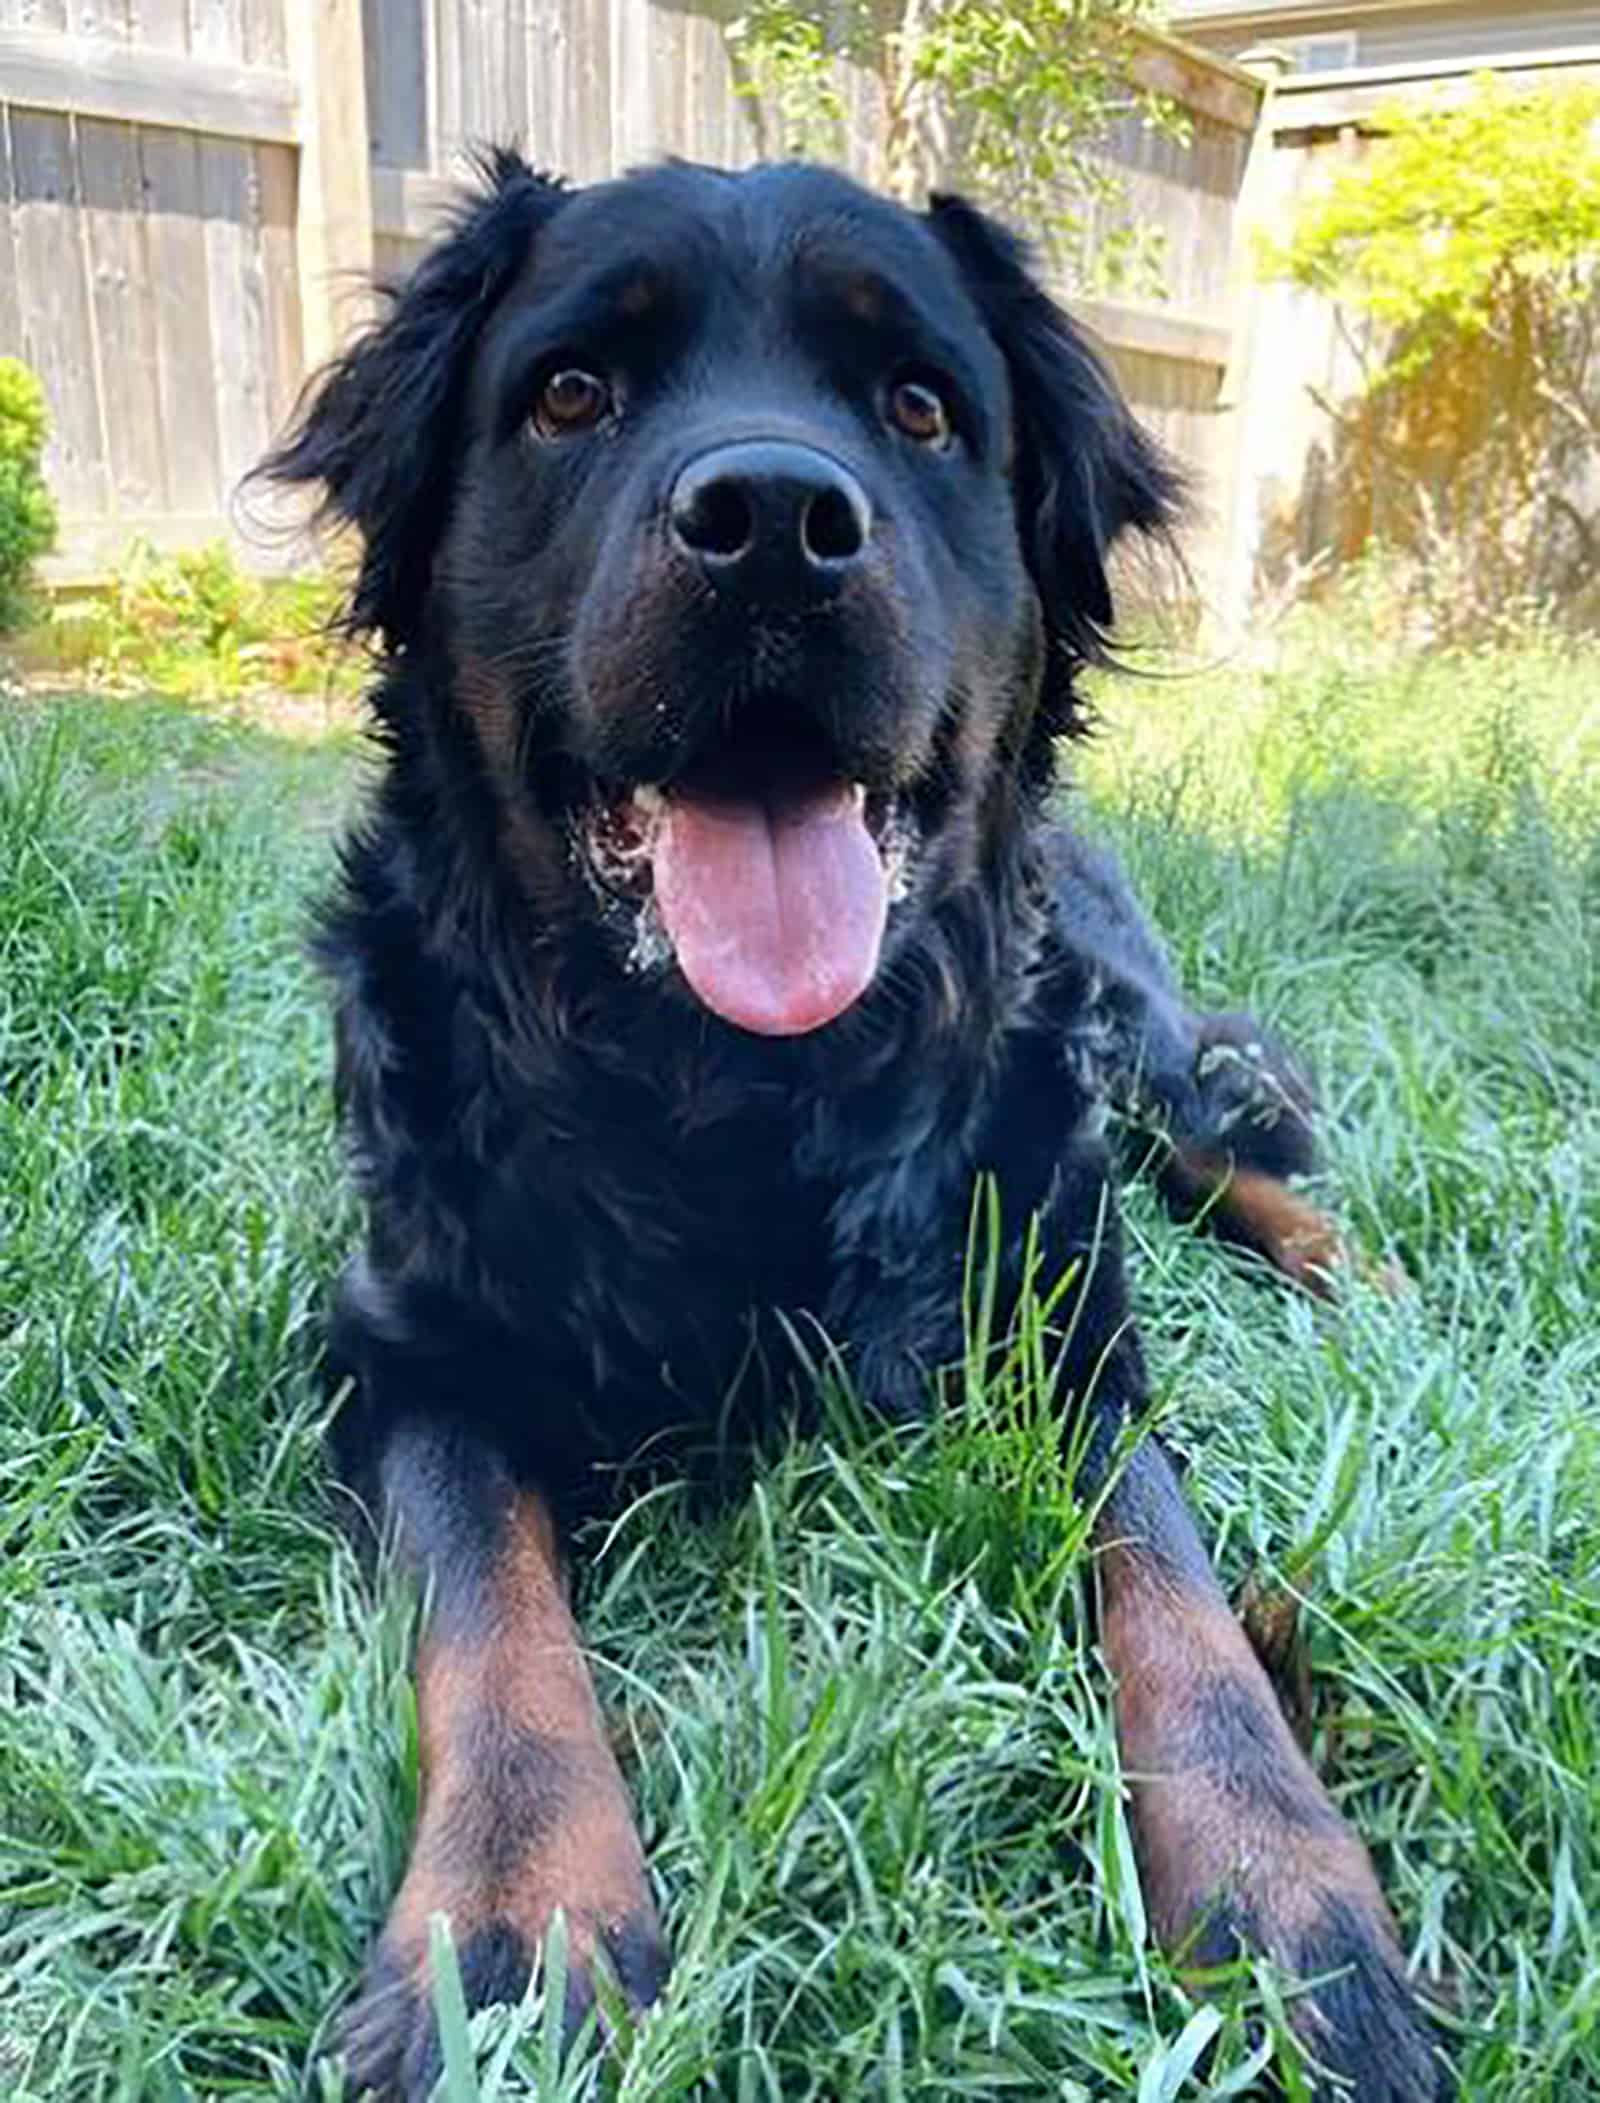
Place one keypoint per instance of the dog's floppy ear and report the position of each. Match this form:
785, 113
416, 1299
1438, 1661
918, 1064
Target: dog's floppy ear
378, 428
1085, 472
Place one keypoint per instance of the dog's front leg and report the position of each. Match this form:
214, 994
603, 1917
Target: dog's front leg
1239, 1846
522, 1808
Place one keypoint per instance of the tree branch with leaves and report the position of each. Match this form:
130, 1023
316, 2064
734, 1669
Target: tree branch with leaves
1462, 253
1014, 101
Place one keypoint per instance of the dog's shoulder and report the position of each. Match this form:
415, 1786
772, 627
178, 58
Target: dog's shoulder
1094, 912
1220, 1084
1112, 996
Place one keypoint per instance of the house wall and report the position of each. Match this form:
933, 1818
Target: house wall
1395, 36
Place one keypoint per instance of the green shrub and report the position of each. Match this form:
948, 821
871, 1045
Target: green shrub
27, 512
1460, 252
1012, 99
197, 625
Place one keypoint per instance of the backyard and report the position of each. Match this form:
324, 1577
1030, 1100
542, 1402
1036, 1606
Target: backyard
869, 1739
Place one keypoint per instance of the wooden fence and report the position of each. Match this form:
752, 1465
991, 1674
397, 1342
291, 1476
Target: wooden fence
192, 190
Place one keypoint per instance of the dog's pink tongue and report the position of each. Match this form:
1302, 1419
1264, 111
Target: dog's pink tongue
775, 914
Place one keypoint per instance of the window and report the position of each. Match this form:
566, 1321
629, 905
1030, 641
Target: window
1324, 54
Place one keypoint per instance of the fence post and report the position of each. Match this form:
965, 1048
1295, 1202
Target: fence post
1252, 209
333, 211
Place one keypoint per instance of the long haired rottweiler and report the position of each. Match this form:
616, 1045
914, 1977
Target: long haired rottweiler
734, 543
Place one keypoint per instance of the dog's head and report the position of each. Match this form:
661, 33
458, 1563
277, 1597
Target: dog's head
749, 530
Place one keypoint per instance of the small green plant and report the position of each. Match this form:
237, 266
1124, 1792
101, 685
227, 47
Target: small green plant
197, 625
27, 512
1457, 210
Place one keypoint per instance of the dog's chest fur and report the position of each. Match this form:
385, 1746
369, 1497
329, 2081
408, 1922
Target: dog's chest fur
630, 1199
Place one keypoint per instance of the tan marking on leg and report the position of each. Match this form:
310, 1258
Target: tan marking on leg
523, 1806
1224, 1801
1294, 1236
1269, 1613
538, 1665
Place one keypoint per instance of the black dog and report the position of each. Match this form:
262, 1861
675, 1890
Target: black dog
735, 543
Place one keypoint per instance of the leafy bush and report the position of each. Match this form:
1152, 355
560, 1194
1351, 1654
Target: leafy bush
196, 625
27, 513
1012, 99
1461, 255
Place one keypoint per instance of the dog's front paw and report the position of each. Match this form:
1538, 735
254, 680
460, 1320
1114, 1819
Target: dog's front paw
1240, 1847
498, 1867
1365, 2034
1363, 2021
389, 2039
1245, 1853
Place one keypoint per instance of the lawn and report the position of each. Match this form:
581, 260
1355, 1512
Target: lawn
869, 1740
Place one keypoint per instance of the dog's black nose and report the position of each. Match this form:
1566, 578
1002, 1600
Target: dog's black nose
770, 515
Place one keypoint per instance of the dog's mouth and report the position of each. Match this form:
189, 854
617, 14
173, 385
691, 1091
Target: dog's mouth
769, 871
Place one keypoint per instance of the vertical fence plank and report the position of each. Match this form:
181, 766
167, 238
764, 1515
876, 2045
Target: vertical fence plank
333, 225
477, 71
558, 150
596, 150
477, 113
125, 316
11, 343
216, 28
161, 23
665, 32
448, 134
541, 43
458, 77
236, 296
185, 359
687, 104
513, 123
569, 92
265, 35
284, 345
632, 88
57, 334
395, 36
106, 20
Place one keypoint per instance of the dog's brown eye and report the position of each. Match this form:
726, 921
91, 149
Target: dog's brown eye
571, 399
920, 412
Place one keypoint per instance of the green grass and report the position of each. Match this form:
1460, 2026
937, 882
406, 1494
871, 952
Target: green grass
869, 1741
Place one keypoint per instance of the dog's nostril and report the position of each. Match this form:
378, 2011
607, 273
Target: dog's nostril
832, 529
766, 515
715, 518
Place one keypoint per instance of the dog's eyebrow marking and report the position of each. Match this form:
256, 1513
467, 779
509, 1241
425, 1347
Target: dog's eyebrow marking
626, 302
881, 303
637, 294
867, 296
627, 289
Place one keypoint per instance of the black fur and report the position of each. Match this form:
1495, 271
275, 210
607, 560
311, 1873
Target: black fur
589, 1200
